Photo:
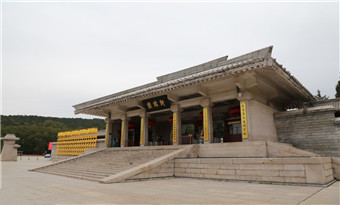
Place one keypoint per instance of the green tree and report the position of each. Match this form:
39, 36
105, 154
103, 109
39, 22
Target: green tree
35, 132
337, 88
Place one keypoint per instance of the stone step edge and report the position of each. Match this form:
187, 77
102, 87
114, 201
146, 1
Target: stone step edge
108, 172
121, 176
72, 176
82, 173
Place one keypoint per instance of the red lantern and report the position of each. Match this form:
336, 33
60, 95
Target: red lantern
132, 125
151, 123
201, 114
171, 119
235, 111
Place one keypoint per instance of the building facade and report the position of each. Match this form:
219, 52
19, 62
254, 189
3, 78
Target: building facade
223, 100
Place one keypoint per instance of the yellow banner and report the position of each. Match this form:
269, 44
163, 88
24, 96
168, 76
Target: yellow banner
106, 133
141, 131
206, 124
174, 127
73, 143
244, 123
122, 134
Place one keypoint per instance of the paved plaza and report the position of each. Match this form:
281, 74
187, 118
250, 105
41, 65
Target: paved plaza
20, 186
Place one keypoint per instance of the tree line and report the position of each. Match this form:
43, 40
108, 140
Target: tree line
35, 132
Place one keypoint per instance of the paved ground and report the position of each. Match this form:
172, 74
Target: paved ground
22, 187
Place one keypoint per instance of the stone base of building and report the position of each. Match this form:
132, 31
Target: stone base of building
258, 161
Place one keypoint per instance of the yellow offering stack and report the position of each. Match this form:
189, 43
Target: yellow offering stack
75, 142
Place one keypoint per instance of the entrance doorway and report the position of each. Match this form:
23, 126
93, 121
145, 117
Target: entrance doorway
227, 121
233, 130
160, 128
134, 132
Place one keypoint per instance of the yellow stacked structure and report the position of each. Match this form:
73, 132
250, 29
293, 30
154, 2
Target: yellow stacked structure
75, 142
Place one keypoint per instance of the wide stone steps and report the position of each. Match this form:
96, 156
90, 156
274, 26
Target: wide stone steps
85, 172
94, 171
90, 171
104, 163
79, 172
72, 175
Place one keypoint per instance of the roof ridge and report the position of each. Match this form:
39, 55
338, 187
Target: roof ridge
260, 53
193, 69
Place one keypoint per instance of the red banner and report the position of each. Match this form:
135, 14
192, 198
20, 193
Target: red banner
50, 146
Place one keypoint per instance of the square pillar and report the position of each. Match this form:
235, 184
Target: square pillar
208, 132
260, 130
124, 132
176, 125
144, 129
108, 130
253, 109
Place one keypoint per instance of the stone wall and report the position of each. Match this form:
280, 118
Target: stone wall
315, 170
261, 124
314, 129
234, 149
165, 170
336, 167
101, 143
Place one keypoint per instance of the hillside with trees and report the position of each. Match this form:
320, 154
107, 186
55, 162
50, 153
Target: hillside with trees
35, 132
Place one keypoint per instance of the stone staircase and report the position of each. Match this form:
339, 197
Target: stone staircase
107, 162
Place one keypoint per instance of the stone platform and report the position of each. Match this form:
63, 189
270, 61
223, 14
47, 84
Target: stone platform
19, 186
253, 161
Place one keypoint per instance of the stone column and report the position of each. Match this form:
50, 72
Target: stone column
108, 130
208, 133
144, 129
176, 125
263, 129
257, 118
124, 131
9, 150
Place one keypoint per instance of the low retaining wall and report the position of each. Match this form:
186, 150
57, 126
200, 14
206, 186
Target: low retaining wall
336, 167
234, 149
249, 161
164, 170
315, 170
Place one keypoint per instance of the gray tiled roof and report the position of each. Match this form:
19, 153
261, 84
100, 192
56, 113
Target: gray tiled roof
207, 71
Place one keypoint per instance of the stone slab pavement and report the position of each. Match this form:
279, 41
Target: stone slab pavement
19, 186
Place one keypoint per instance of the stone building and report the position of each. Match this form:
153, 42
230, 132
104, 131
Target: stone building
250, 100
221, 100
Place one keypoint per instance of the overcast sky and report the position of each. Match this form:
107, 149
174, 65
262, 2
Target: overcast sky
55, 55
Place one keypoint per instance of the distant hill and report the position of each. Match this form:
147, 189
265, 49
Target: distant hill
36, 131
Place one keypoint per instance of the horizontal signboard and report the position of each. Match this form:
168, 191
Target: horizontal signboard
157, 103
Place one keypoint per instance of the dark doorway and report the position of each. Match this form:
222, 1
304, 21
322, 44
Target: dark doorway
233, 130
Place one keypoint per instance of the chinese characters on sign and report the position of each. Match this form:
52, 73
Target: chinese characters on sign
244, 120
141, 130
157, 103
174, 128
205, 124
106, 133
122, 133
